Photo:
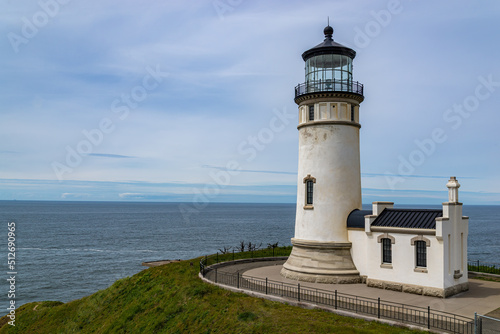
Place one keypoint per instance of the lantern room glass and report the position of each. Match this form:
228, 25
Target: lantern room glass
329, 72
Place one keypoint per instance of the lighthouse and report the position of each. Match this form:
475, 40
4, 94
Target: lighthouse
329, 179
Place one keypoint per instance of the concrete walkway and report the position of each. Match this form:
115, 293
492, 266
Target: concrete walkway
482, 297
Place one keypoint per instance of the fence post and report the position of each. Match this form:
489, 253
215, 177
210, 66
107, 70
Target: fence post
215, 275
475, 322
217, 257
335, 299
298, 291
266, 285
233, 254
428, 317
378, 308
238, 280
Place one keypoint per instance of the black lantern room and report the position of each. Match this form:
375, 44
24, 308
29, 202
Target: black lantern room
329, 68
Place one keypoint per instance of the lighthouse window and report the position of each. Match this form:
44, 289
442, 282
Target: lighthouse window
421, 253
330, 72
352, 112
309, 196
311, 112
386, 250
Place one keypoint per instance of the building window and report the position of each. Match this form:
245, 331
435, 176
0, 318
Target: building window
309, 196
386, 250
352, 112
421, 253
311, 112
309, 182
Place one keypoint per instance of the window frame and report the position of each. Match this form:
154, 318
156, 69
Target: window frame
309, 192
420, 254
309, 182
386, 251
311, 113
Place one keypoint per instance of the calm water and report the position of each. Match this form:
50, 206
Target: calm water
67, 250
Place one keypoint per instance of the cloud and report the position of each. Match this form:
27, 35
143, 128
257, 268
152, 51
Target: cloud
75, 195
131, 195
106, 155
417, 176
250, 170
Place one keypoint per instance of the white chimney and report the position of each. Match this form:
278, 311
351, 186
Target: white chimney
453, 186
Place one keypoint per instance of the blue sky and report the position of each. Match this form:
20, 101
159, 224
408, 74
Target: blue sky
170, 101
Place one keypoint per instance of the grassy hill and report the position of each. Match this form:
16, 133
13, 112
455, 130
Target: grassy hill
172, 299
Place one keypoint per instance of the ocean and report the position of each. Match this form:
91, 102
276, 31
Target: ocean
67, 250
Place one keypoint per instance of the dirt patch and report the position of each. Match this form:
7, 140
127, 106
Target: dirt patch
494, 314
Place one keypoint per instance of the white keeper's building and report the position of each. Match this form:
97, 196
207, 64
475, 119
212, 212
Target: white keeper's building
410, 250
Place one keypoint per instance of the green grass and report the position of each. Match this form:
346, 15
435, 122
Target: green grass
489, 269
172, 299
487, 278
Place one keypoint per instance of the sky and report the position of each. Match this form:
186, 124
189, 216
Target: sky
193, 101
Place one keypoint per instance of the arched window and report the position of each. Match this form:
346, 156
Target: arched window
309, 182
421, 253
386, 240
386, 250
309, 190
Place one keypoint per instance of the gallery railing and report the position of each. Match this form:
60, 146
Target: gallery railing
329, 86
381, 309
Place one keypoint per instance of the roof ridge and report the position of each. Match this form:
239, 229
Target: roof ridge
397, 209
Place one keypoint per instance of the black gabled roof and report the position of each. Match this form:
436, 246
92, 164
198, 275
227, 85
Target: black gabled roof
408, 218
356, 218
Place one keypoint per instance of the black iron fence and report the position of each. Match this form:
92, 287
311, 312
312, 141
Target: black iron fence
237, 255
484, 267
329, 86
381, 309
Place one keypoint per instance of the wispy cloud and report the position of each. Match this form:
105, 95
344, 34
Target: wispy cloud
131, 195
182, 192
419, 176
107, 155
75, 195
250, 170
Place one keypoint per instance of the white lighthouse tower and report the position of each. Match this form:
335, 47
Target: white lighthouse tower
329, 179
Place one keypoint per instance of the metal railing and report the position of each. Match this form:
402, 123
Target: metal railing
329, 86
269, 252
486, 325
484, 267
381, 309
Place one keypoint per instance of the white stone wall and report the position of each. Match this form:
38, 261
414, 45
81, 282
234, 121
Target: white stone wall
453, 230
367, 256
359, 250
330, 154
446, 269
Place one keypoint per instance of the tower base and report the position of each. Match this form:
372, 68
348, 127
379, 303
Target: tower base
321, 262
